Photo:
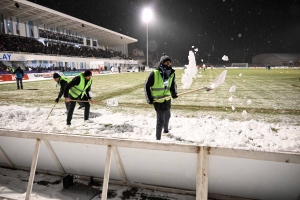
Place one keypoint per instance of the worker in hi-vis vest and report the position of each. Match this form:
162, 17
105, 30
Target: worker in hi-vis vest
161, 83
61, 81
79, 89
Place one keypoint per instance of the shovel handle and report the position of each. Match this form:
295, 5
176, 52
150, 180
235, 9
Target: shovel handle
295, 85
187, 92
51, 110
79, 100
95, 102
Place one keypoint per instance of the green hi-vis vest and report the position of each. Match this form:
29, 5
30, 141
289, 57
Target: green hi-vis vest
80, 89
64, 78
158, 90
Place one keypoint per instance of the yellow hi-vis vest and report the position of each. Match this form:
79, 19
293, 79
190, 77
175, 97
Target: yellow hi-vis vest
80, 89
158, 90
63, 78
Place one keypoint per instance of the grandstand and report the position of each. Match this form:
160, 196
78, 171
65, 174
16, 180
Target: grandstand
56, 40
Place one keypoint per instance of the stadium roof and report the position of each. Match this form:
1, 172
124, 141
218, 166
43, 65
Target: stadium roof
283, 56
42, 15
287, 56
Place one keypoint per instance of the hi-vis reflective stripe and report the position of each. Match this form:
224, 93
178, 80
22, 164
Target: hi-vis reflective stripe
159, 97
158, 89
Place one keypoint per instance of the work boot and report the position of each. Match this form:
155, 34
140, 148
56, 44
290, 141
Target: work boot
80, 107
68, 127
165, 133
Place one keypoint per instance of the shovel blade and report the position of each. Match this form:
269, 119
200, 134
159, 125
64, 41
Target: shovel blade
218, 80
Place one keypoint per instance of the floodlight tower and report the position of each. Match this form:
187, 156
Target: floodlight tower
147, 16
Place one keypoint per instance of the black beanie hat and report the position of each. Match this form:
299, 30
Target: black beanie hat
87, 73
56, 75
165, 58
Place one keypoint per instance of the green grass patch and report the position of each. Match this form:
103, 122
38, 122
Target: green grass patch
270, 92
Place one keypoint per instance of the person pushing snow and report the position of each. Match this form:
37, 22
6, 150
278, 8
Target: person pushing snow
79, 89
160, 84
61, 81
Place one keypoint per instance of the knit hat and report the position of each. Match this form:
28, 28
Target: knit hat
87, 73
165, 58
56, 75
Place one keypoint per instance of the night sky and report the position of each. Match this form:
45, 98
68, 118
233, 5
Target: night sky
236, 28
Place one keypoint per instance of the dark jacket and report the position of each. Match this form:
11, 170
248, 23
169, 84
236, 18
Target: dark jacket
76, 81
150, 82
19, 73
63, 84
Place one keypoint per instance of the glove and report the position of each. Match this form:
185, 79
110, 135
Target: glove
208, 89
174, 96
57, 100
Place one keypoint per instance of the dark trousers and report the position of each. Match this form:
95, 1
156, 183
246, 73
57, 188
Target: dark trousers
19, 83
72, 107
67, 104
162, 122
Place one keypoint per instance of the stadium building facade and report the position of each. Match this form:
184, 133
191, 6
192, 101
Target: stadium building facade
277, 60
58, 39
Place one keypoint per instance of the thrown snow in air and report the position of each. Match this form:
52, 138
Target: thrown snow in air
190, 71
225, 58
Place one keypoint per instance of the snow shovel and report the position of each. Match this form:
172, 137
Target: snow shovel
295, 85
213, 85
51, 110
109, 102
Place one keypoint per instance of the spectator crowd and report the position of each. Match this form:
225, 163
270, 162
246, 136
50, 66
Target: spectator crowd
32, 45
60, 37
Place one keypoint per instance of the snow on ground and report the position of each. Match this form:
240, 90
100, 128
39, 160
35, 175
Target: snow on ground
13, 185
201, 130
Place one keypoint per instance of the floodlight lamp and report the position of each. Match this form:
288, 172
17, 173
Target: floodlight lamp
17, 5
147, 15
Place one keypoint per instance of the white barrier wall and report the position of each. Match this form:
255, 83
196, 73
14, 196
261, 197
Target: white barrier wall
179, 168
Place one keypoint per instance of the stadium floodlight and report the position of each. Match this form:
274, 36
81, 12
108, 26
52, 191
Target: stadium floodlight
147, 16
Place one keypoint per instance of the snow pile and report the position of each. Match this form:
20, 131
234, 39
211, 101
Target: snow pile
244, 113
201, 130
232, 89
